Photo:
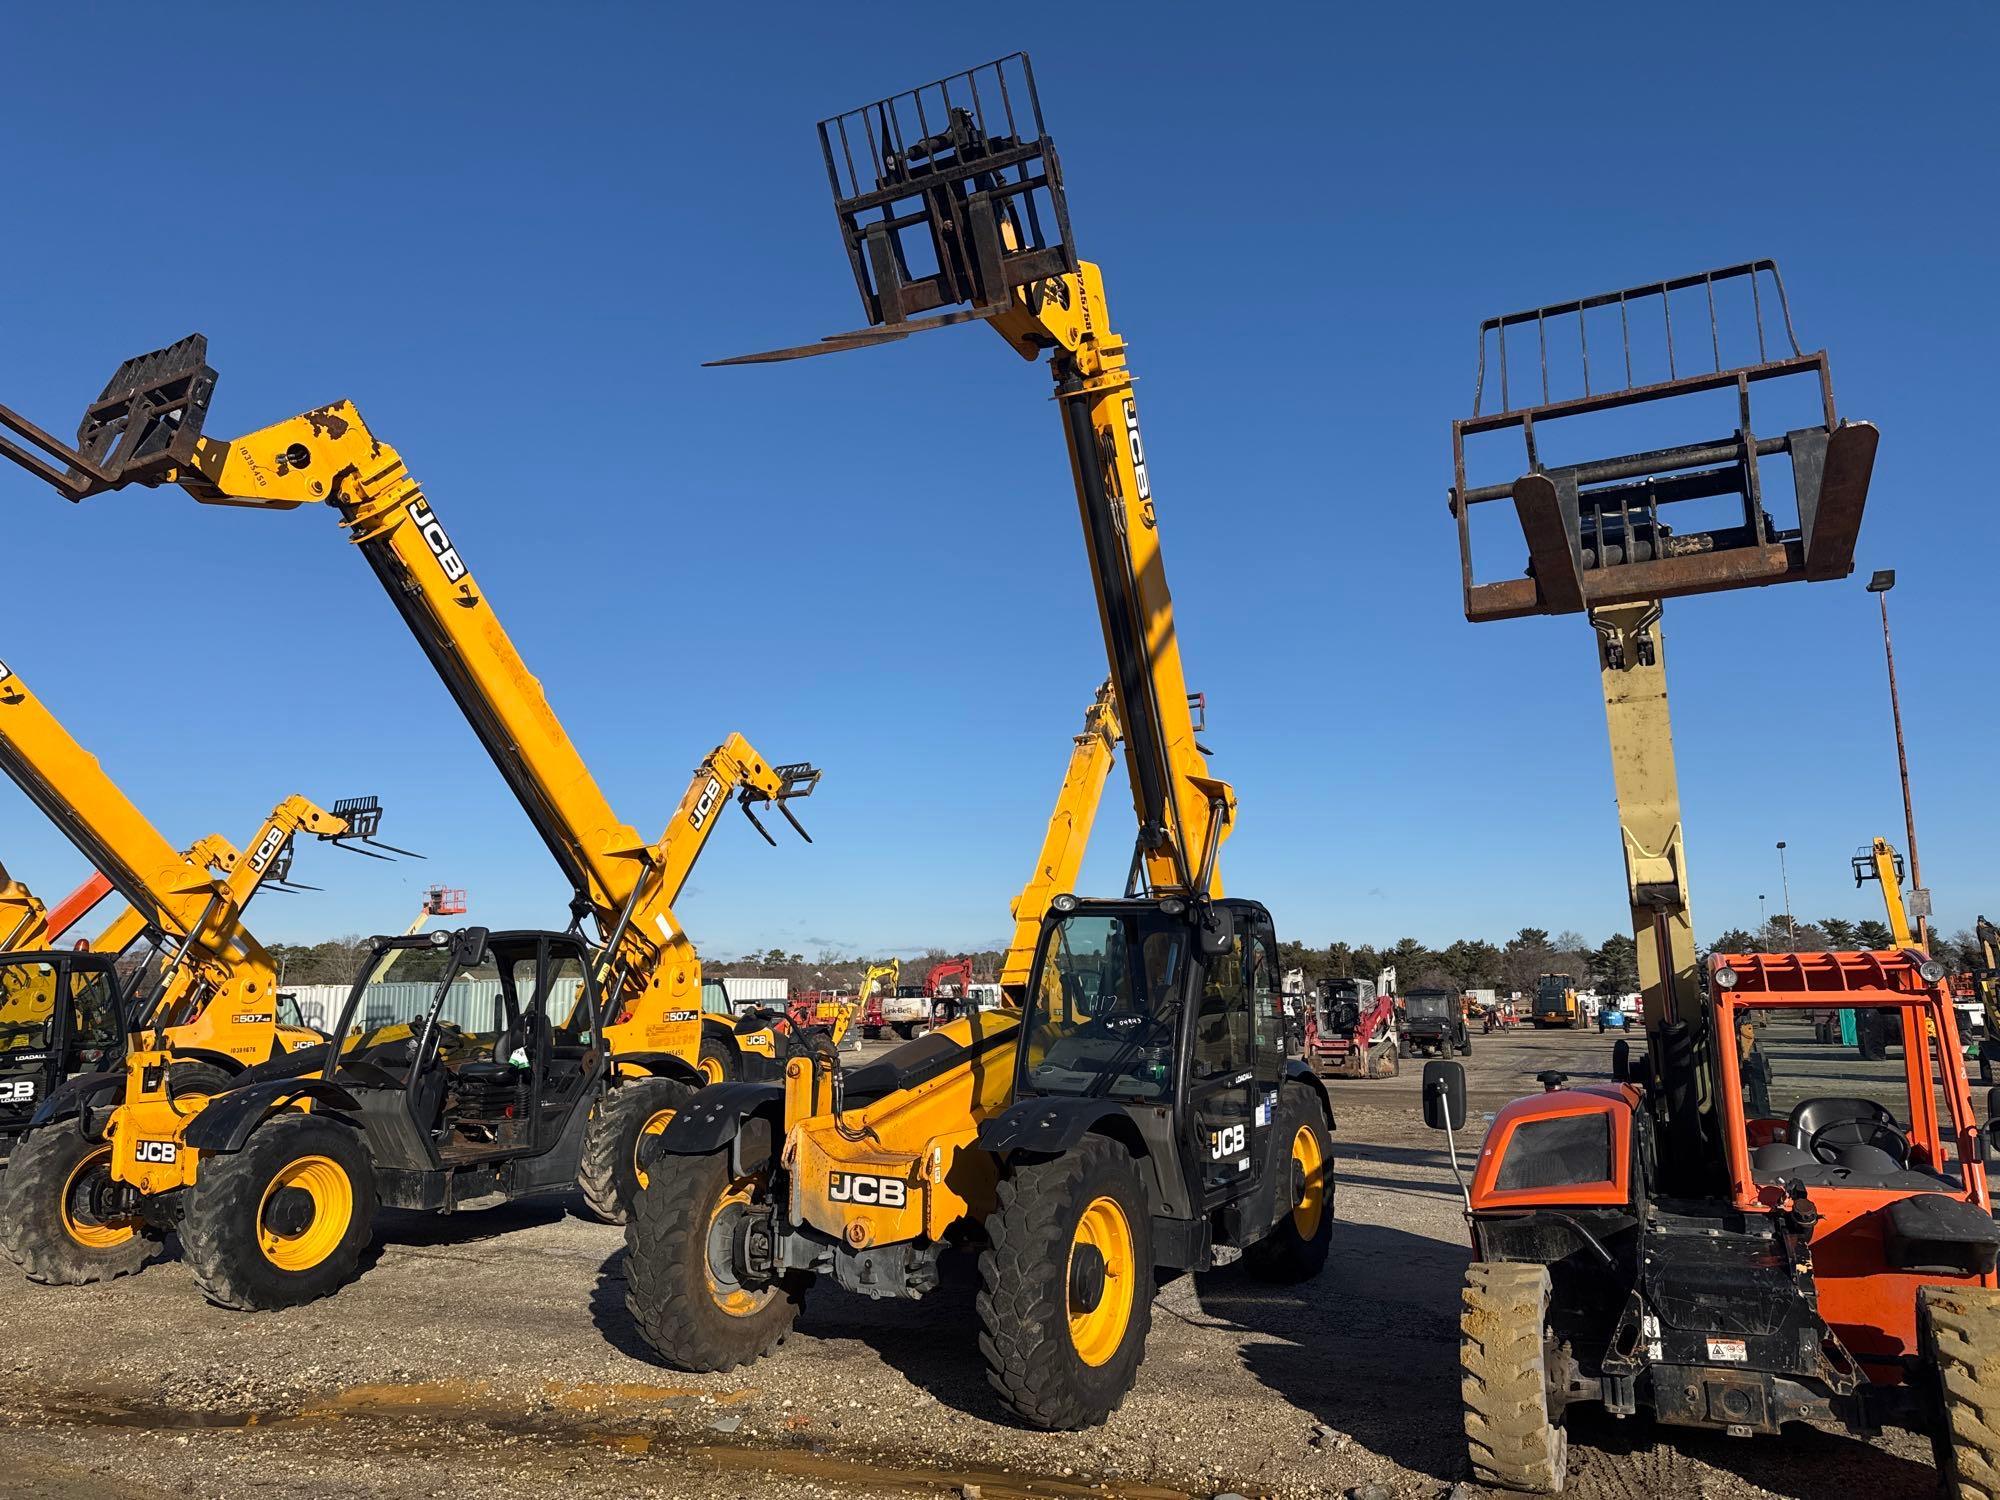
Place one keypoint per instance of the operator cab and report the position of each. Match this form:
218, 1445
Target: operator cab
61, 1013
1816, 1114
1429, 1005
1343, 1000
1179, 1012
490, 1058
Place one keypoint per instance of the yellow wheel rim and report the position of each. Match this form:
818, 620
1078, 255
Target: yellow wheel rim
92, 1234
1311, 1207
710, 1069
329, 1211
1098, 1328
653, 1126
731, 1296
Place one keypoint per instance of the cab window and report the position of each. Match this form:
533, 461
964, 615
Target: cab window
1222, 1027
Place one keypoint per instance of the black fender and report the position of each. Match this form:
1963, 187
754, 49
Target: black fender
659, 1065
230, 1065
1303, 1073
1048, 1127
69, 1099
226, 1121
745, 1117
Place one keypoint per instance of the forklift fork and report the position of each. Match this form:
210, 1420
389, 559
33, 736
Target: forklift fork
145, 425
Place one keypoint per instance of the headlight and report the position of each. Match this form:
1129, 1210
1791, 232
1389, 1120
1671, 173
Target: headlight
1064, 903
1173, 906
1725, 977
1930, 971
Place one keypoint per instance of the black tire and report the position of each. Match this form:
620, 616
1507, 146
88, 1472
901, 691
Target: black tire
1296, 1248
1030, 1287
628, 1113
49, 1224
1465, 1045
185, 1078
718, 1062
904, 1029
1513, 1442
1958, 1335
696, 1313
239, 1195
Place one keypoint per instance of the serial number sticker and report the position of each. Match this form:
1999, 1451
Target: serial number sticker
1730, 1351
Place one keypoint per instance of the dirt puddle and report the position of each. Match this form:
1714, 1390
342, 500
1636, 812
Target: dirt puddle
623, 1419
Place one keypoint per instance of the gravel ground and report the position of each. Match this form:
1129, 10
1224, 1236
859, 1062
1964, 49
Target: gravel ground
493, 1349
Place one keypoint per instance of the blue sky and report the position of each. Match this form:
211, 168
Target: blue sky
511, 234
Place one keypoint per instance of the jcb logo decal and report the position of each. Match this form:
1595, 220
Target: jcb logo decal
705, 803
1225, 1142
17, 1090
156, 1151
427, 522
1139, 462
879, 1192
270, 844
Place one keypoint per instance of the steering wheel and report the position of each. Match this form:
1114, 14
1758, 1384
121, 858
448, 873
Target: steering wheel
1826, 1147
1134, 1026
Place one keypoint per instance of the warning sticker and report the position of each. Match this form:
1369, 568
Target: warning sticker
1729, 1351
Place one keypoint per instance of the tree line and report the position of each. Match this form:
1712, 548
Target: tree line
1610, 967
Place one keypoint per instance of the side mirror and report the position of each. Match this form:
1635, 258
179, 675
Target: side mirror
1218, 933
1993, 1104
1621, 1060
1444, 1095
468, 948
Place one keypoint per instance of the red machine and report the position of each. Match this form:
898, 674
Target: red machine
1351, 1030
948, 1001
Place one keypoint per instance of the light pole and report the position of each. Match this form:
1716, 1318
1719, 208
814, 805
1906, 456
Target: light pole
1791, 927
1761, 919
1879, 586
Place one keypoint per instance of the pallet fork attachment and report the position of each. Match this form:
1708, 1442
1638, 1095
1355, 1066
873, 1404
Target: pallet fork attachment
145, 426
1595, 530
949, 196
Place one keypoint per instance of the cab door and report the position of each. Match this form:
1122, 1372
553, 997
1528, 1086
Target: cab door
1271, 1041
560, 1022
1222, 1090
94, 1025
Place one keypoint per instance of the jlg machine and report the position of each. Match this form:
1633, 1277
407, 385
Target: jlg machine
1718, 1237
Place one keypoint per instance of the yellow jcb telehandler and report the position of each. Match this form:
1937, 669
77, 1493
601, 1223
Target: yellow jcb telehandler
1145, 1111
189, 1019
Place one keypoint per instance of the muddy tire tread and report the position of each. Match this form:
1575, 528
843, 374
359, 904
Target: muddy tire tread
225, 1198
666, 1250
36, 1173
604, 1172
1512, 1443
1958, 1328
1023, 1303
